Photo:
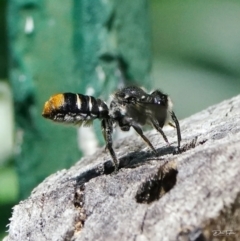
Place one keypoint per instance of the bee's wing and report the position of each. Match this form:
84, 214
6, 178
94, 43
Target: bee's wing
152, 111
85, 123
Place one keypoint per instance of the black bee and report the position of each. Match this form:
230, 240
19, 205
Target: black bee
130, 107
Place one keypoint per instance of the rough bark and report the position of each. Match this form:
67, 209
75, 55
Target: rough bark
173, 196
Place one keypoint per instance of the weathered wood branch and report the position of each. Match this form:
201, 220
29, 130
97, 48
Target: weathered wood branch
172, 197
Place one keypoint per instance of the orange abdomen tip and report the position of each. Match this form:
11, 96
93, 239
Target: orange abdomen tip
53, 104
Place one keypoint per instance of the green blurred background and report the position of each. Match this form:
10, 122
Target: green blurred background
195, 59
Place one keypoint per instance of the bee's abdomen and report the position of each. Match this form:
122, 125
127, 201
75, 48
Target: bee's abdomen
74, 108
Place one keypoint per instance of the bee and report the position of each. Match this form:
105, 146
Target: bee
130, 107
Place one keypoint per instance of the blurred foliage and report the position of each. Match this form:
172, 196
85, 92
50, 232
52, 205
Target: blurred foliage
8, 195
196, 52
8, 184
7, 123
3, 40
196, 58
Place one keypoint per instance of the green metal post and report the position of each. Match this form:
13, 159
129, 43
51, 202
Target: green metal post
109, 30
41, 64
68, 46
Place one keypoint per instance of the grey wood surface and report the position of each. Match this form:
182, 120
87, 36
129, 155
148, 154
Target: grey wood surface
185, 196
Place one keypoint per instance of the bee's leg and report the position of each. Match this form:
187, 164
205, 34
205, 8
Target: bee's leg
174, 118
138, 129
159, 129
107, 133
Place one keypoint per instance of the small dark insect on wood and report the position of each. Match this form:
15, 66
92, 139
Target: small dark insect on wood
130, 107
